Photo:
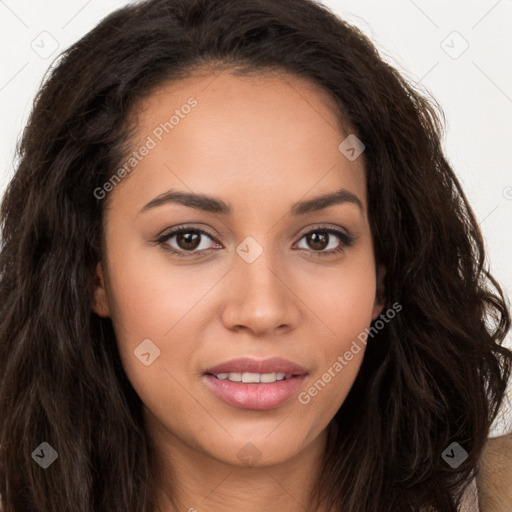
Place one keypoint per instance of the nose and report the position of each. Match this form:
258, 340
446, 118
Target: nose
261, 297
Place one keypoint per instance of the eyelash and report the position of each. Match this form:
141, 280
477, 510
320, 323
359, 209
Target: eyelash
346, 240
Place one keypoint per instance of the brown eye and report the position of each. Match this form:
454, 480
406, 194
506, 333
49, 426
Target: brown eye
186, 240
318, 240
322, 238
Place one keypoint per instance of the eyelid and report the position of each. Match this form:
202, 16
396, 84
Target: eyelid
322, 227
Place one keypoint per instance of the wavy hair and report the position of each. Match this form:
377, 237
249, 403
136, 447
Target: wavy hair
434, 375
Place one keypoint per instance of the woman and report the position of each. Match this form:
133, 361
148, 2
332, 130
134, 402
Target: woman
238, 272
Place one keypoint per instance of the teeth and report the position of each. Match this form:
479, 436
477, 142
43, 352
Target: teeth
248, 377
267, 377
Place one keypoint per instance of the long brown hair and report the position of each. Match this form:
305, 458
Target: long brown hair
434, 375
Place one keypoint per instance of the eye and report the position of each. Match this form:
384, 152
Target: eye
188, 240
320, 239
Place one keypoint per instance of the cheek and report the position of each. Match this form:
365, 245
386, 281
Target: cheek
347, 312
149, 295
148, 301
344, 303
344, 299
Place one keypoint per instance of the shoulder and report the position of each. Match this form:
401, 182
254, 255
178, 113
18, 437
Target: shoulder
494, 477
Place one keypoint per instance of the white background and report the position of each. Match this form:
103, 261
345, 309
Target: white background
425, 39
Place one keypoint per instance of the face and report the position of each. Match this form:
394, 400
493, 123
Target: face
259, 272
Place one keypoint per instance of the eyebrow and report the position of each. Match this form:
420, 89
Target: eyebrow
218, 206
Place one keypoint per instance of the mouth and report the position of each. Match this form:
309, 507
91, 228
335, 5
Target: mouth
247, 366
251, 384
257, 378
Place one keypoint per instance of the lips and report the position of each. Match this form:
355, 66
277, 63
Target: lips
254, 394
246, 364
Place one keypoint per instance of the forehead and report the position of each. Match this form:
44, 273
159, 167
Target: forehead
229, 89
252, 135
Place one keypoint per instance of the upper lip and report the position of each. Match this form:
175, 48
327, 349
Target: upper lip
246, 364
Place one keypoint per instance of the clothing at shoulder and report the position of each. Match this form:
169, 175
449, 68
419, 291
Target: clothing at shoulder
470, 498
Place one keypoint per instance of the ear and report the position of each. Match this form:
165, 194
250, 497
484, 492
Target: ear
101, 305
380, 301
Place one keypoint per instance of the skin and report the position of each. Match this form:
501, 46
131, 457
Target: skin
494, 477
259, 143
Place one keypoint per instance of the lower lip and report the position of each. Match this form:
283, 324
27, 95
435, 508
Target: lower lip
253, 395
